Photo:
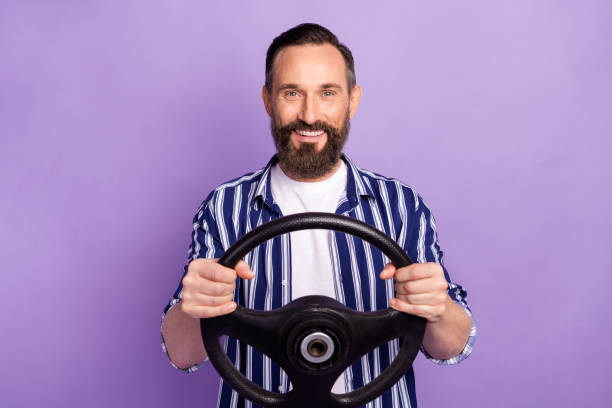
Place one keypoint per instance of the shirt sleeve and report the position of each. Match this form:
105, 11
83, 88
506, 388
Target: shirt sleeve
424, 247
205, 243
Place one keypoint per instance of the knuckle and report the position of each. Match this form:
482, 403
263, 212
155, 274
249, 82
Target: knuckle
408, 287
206, 267
217, 290
223, 289
187, 280
196, 265
217, 301
209, 288
186, 298
214, 273
414, 272
193, 264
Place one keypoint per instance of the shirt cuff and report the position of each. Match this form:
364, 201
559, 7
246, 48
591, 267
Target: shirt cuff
190, 369
455, 294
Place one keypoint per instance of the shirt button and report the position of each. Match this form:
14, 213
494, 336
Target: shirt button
284, 282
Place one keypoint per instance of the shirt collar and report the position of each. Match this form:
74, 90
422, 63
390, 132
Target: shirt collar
356, 186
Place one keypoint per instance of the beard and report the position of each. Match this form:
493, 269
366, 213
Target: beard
305, 162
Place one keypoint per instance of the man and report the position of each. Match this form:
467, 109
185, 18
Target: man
310, 95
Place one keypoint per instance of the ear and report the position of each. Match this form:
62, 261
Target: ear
265, 95
354, 99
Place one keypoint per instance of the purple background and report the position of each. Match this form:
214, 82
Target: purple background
118, 118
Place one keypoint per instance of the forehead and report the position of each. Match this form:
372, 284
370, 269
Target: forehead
310, 64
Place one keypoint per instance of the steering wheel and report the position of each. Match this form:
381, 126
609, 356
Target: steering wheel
313, 338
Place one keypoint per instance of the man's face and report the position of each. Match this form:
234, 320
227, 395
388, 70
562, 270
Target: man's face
310, 108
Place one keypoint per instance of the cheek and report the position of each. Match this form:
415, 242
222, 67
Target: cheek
285, 113
337, 115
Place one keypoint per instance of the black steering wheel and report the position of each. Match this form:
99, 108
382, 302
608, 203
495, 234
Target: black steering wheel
314, 338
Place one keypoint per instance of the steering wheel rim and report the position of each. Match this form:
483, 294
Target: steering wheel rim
243, 321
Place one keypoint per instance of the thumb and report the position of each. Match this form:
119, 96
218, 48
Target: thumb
388, 271
243, 270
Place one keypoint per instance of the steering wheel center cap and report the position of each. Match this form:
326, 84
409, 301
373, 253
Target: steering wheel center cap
317, 347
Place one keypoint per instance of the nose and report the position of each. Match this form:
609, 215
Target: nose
310, 110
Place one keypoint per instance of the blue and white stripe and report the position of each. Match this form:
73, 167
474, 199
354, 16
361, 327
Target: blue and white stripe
236, 207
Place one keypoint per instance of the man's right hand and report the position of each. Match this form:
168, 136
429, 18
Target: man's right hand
208, 288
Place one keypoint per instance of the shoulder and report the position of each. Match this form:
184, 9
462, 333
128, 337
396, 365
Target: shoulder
246, 180
390, 189
239, 190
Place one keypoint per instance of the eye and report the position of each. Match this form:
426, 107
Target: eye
328, 93
291, 94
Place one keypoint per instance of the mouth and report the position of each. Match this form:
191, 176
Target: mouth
309, 136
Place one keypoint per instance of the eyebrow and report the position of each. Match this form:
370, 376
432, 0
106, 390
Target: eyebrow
331, 85
288, 86
296, 86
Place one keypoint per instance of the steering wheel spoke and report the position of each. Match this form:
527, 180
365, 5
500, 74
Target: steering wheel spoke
253, 327
382, 327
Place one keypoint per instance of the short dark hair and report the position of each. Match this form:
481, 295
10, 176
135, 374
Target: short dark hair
309, 33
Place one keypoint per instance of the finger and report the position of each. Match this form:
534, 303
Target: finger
205, 312
416, 310
431, 299
414, 271
243, 270
200, 263
199, 299
388, 271
218, 273
211, 288
426, 285
203, 261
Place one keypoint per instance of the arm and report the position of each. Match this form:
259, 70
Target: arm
448, 336
425, 289
182, 338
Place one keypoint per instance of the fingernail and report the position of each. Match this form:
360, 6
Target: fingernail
230, 307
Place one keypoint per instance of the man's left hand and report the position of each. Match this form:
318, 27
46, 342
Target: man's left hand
420, 290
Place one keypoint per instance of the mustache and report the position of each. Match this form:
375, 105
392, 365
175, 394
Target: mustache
301, 125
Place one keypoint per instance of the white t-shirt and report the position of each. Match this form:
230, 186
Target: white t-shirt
311, 268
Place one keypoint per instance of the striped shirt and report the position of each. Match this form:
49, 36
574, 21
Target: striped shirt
240, 205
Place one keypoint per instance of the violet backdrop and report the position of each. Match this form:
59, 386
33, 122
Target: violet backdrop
117, 119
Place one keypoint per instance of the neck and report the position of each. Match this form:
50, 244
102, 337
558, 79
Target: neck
311, 180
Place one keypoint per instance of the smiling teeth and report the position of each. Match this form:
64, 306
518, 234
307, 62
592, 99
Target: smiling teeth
310, 133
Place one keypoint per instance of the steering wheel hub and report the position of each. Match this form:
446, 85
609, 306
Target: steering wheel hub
317, 347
